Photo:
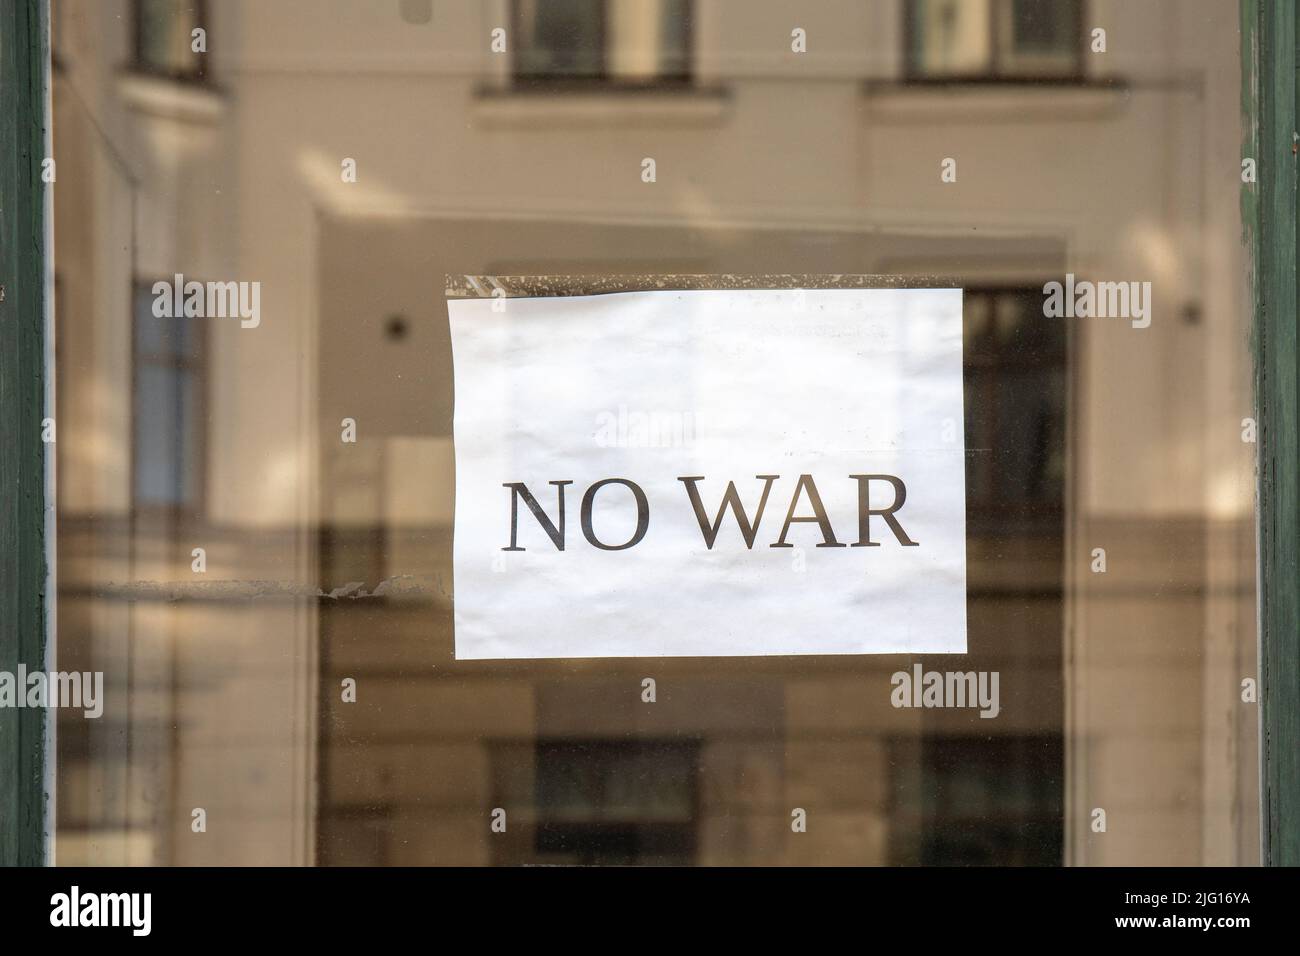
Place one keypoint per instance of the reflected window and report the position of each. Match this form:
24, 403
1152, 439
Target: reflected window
971, 801
609, 41
616, 802
1015, 380
167, 415
995, 39
164, 38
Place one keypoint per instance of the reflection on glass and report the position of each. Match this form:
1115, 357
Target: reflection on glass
168, 409
1110, 528
992, 39
608, 40
164, 37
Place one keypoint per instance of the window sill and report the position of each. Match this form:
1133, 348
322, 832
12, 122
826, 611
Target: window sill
983, 100
186, 101
595, 105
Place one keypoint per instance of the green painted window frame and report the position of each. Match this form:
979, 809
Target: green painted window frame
1270, 103
1270, 121
24, 57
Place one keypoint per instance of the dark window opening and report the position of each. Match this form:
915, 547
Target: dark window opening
616, 802
168, 417
970, 801
165, 41
995, 40
599, 41
1015, 382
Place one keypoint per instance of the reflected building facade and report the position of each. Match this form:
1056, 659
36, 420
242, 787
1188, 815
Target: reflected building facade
348, 156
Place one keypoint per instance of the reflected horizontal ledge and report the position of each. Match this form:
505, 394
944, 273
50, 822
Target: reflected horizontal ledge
184, 101
912, 102
600, 106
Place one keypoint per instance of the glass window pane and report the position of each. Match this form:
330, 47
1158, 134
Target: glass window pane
306, 687
951, 37
157, 456
560, 39
153, 335
1040, 37
164, 37
649, 41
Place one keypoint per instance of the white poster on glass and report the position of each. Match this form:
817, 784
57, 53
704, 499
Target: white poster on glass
709, 473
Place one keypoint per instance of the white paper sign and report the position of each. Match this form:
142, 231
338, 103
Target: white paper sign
628, 409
